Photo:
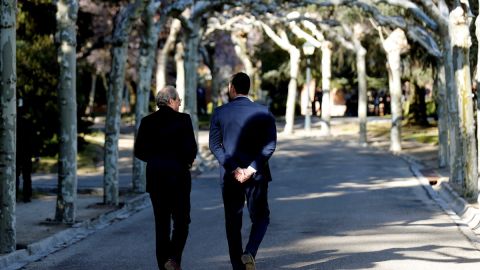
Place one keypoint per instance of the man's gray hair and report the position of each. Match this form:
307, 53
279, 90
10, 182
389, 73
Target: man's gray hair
165, 94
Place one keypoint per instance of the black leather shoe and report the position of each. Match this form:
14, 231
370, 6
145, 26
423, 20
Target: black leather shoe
172, 265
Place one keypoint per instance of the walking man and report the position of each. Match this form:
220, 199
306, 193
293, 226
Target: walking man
166, 141
243, 137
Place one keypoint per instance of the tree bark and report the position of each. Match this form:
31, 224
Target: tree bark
326, 77
8, 116
91, 95
477, 79
395, 45
148, 47
162, 59
360, 53
123, 24
283, 42
67, 11
460, 35
441, 101
191, 42
180, 66
292, 90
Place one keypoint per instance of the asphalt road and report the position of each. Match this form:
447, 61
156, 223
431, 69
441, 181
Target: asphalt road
334, 206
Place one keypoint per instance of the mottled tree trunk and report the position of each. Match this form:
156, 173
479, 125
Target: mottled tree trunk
477, 79
91, 95
461, 42
282, 41
191, 43
148, 46
441, 101
123, 24
162, 59
292, 90
67, 11
395, 45
326, 78
362, 91
8, 116
456, 161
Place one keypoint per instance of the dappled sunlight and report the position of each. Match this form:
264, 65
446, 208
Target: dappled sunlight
312, 263
369, 251
309, 196
215, 207
379, 184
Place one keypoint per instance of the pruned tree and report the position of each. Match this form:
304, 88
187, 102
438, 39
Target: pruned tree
65, 37
280, 38
8, 117
192, 25
168, 47
123, 23
317, 39
146, 61
459, 23
439, 12
395, 45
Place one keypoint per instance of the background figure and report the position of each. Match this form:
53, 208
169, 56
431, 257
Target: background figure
25, 152
243, 137
166, 141
201, 101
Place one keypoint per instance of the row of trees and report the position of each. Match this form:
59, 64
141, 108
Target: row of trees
440, 28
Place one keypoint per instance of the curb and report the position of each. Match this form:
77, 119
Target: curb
464, 215
77, 232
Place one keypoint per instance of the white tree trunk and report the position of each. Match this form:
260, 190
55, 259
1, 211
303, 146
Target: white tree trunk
326, 78
67, 157
123, 23
8, 116
362, 91
191, 43
283, 42
395, 45
441, 101
292, 90
460, 35
456, 161
180, 66
162, 58
148, 46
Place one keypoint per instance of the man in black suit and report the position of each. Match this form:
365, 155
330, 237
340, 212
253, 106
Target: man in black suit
166, 141
243, 137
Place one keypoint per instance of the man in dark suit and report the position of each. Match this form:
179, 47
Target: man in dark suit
243, 137
166, 141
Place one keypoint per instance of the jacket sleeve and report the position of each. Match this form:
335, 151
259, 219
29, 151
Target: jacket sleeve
269, 144
216, 143
141, 142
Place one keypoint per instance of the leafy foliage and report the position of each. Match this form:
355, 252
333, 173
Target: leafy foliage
38, 71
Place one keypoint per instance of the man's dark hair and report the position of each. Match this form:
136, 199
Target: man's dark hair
241, 82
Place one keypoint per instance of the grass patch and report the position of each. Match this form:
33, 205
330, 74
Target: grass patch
90, 155
409, 132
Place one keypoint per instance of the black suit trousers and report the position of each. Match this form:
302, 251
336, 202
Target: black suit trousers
234, 196
171, 202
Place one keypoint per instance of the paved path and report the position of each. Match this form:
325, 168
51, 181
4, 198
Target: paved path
334, 206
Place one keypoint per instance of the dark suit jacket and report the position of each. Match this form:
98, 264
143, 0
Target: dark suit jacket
166, 141
242, 134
